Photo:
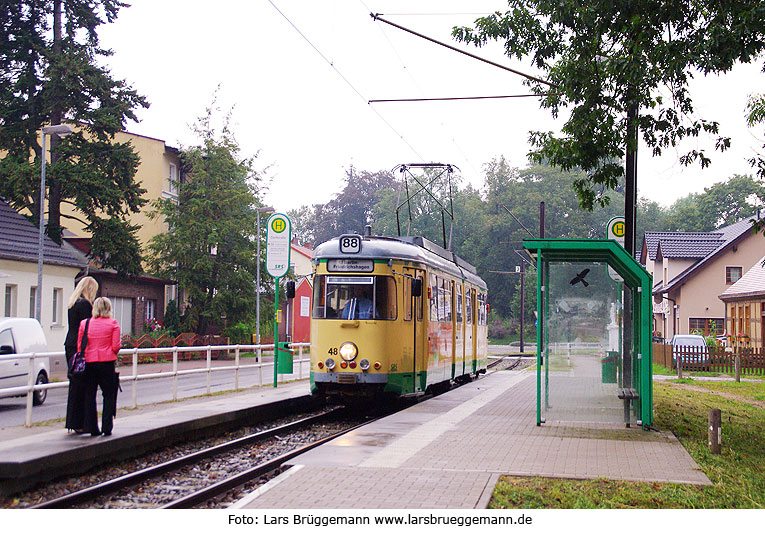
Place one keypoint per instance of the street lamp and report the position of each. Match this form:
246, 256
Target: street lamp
265, 210
60, 130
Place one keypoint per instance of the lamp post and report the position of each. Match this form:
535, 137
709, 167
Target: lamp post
61, 130
265, 210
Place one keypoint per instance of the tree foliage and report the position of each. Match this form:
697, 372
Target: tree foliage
348, 212
601, 57
719, 205
210, 247
49, 73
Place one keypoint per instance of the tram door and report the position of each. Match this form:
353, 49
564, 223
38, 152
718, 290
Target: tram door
469, 323
413, 315
459, 331
473, 329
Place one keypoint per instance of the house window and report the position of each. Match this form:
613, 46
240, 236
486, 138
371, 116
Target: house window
11, 291
33, 302
732, 274
151, 309
122, 311
172, 179
706, 326
58, 306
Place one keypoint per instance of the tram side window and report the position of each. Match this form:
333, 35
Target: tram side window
459, 303
385, 298
446, 309
407, 299
482, 309
468, 307
434, 291
418, 301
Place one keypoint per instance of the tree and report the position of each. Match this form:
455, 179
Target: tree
49, 74
719, 205
601, 59
351, 210
756, 115
209, 248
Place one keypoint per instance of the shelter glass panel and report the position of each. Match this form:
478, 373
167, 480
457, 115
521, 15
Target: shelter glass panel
583, 370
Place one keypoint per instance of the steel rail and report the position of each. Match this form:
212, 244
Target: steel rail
241, 478
133, 478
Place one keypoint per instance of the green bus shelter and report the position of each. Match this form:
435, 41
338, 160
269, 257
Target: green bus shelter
594, 318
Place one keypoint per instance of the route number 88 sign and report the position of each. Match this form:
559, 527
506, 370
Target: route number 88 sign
350, 244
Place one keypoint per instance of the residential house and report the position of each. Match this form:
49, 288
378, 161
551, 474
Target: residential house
300, 309
158, 173
690, 269
745, 307
19, 246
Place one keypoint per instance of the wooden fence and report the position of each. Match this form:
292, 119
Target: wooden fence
695, 359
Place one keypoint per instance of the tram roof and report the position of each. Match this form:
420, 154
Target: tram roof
412, 248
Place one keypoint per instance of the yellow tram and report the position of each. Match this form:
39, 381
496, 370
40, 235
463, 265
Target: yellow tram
394, 315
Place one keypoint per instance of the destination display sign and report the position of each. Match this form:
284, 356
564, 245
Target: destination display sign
350, 264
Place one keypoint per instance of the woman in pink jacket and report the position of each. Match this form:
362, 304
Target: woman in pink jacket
102, 346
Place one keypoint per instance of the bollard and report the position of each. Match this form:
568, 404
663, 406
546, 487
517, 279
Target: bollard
679, 365
715, 431
737, 365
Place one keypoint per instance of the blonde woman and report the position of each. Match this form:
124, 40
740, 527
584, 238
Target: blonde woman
100, 359
80, 307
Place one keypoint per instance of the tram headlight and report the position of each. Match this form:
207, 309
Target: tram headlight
348, 351
330, 363
364, 364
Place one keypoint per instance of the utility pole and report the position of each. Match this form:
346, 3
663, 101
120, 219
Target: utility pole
523, 276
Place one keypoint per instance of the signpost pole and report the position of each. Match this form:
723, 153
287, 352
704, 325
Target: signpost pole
276, 330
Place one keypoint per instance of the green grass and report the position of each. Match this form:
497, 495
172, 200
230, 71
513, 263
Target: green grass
737, 475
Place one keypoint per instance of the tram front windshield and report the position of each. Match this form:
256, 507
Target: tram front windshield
348, 297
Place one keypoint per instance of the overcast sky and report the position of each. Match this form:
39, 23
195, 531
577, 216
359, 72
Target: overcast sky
301, 101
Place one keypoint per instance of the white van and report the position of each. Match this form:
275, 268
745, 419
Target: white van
693, 345
17, 336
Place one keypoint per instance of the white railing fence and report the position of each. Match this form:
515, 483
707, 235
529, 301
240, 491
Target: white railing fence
133, 379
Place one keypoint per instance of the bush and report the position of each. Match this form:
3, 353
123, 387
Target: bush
172, 318
501, 329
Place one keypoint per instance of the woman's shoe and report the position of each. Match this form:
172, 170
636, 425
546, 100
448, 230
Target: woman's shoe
96, 434
79, 431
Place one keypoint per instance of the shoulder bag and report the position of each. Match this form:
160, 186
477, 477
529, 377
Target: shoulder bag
78, 361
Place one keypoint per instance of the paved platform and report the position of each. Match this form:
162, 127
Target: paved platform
40, 453
449, 452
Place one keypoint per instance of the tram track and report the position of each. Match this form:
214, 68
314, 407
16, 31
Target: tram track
215, 476
167, 478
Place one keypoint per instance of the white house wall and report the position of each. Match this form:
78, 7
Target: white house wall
24, 276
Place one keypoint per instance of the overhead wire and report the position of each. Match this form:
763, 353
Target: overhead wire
419, 88
348, 82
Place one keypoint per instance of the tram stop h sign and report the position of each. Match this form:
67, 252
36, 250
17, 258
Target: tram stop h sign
278, 240
278, 245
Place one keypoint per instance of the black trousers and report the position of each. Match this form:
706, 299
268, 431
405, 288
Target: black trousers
100, 375
75, 402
